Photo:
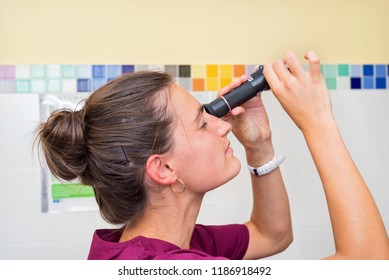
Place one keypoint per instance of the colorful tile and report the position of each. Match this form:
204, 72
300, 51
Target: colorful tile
83, 85
198, 84
7, 86
113, 71
225, 82
380, 83
23, 86
331, 82
212, 70
226, 71
356, 70
368, 70
239, 70
330, 70
184, 71
128, 68
68, 71
380, 70
198, 71
7, 72
368, 82
98, 71
38, 71
172, 70
53, 85
356, 83
212, 84
84, 71
343, 70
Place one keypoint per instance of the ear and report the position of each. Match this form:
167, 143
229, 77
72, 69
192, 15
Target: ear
159, 170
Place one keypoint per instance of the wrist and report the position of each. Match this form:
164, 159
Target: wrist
260, 155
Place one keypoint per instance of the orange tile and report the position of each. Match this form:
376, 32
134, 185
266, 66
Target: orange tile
239, 70
212, 71
212, 84
198, 84
225, 82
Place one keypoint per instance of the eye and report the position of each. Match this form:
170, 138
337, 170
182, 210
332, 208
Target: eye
204, 125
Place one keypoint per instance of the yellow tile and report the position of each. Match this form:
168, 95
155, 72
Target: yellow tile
225, 71
197, 71
212, 71
212, 84
225, 82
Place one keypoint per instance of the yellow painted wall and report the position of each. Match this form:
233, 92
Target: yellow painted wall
196, 31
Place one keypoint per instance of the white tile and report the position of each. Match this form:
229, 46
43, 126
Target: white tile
38, 85
19, 115
23, 71
69, 85
53, 71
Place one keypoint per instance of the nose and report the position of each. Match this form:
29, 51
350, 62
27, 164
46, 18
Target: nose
223, 127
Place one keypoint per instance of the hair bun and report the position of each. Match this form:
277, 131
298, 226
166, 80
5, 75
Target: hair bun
63, 143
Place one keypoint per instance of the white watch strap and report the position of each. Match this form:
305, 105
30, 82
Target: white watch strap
268, 167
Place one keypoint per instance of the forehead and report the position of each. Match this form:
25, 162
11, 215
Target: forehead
184, 104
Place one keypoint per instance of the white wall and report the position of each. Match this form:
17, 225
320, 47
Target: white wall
26, 233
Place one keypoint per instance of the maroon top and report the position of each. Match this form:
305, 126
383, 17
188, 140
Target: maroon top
208, 242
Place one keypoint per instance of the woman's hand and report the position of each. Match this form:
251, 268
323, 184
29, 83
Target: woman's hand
250, 123
303, 95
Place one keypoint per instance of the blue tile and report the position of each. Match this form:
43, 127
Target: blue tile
388, 70
368, 70
356, 83
128, 68
356, 70
98, 71
83, 85
113, 71
368, 82
380, 83
98, 83
380, 70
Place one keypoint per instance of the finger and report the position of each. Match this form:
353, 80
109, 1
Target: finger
235, 83
294, 64
281, 70
271, 76
314, 64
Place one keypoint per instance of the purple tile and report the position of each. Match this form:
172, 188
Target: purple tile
7, 72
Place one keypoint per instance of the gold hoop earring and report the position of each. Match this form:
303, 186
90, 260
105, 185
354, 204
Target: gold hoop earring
182, 184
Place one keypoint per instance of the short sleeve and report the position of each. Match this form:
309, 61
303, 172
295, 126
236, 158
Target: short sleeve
228, 241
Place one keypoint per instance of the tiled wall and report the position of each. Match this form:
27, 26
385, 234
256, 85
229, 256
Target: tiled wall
56, 78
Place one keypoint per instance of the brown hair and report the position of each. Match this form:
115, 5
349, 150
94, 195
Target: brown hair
107, 143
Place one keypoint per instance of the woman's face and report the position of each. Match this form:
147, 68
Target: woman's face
202, 153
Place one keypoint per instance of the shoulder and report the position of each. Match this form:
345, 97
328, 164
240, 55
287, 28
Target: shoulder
230, 241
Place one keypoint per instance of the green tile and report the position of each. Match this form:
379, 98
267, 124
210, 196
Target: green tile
343, 70
68, 71
331, 83
330, 70
53, 85
23, 86
38, 71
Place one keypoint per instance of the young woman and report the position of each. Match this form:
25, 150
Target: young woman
151, 152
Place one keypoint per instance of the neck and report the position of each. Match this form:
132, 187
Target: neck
171, 218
